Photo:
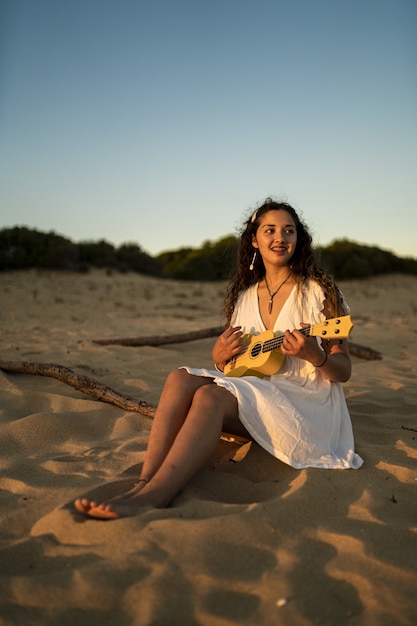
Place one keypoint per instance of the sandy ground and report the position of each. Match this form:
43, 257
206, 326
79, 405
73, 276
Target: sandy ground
252, 542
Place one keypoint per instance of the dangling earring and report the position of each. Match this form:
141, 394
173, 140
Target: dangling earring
253, 261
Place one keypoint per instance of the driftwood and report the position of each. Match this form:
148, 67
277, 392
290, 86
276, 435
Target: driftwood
101, 392
363, 352
87, 385
159, 340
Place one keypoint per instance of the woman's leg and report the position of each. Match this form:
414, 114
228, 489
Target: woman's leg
174, 404
194, 445
190, 449
176, 398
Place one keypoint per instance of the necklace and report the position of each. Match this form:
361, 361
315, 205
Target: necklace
272, 294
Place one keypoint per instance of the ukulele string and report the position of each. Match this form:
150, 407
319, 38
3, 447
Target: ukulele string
269, 344
276, 342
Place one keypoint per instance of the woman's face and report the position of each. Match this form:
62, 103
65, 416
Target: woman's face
276, 237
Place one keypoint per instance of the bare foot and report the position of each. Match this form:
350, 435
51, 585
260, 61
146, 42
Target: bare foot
113, 509
83, 505
116, 509
104, 511
126, 504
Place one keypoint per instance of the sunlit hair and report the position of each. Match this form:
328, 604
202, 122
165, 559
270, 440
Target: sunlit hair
304, 264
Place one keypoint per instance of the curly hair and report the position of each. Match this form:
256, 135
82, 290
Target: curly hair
304, 264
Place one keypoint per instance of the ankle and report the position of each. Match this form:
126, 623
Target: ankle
142, 480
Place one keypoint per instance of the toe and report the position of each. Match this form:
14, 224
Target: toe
83, 505
103, 511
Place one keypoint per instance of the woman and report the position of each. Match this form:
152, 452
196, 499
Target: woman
298, 414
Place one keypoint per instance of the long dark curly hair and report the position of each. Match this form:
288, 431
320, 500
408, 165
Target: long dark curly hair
304, 264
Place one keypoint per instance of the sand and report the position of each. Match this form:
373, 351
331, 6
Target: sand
250, 542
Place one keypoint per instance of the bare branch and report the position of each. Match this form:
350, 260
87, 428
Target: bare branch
87, 385
99, 391
159, 340
363, 352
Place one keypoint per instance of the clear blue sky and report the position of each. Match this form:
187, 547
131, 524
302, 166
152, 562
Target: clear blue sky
163, 122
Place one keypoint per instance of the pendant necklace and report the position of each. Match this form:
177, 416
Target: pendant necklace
272, 294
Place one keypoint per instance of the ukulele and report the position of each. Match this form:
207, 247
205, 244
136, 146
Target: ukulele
260, 355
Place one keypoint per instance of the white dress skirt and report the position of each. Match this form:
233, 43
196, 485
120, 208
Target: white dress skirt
297, 415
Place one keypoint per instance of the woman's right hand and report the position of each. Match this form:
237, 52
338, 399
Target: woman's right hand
227, 346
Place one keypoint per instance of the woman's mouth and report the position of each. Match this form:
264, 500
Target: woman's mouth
279, 249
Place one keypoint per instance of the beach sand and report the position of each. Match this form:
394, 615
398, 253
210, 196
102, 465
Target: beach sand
251, 542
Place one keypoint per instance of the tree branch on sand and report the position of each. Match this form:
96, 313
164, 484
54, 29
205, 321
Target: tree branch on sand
363, 352
101, 392
87, 385
160, 340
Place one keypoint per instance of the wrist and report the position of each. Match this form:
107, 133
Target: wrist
323, 361
219, 367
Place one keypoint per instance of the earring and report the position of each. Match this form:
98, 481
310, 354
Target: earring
253, 261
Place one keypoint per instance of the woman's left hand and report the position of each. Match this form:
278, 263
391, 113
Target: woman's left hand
336, 362
298, 345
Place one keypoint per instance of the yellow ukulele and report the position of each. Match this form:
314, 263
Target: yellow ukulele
260, 355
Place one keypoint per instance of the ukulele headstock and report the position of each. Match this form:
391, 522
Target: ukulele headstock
338, 327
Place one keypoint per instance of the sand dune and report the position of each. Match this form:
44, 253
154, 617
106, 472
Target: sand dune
253, 542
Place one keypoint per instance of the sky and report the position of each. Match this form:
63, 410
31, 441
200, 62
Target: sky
165, 123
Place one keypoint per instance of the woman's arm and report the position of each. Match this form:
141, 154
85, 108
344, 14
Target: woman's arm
332, 359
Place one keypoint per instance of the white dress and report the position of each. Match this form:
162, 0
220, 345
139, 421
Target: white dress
297, 415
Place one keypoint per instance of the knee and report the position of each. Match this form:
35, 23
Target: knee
177, 378
176, 375
206, 396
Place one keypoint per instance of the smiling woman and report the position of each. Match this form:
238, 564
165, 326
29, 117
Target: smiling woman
298, 414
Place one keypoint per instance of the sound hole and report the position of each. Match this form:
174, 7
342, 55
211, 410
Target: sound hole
257, 348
